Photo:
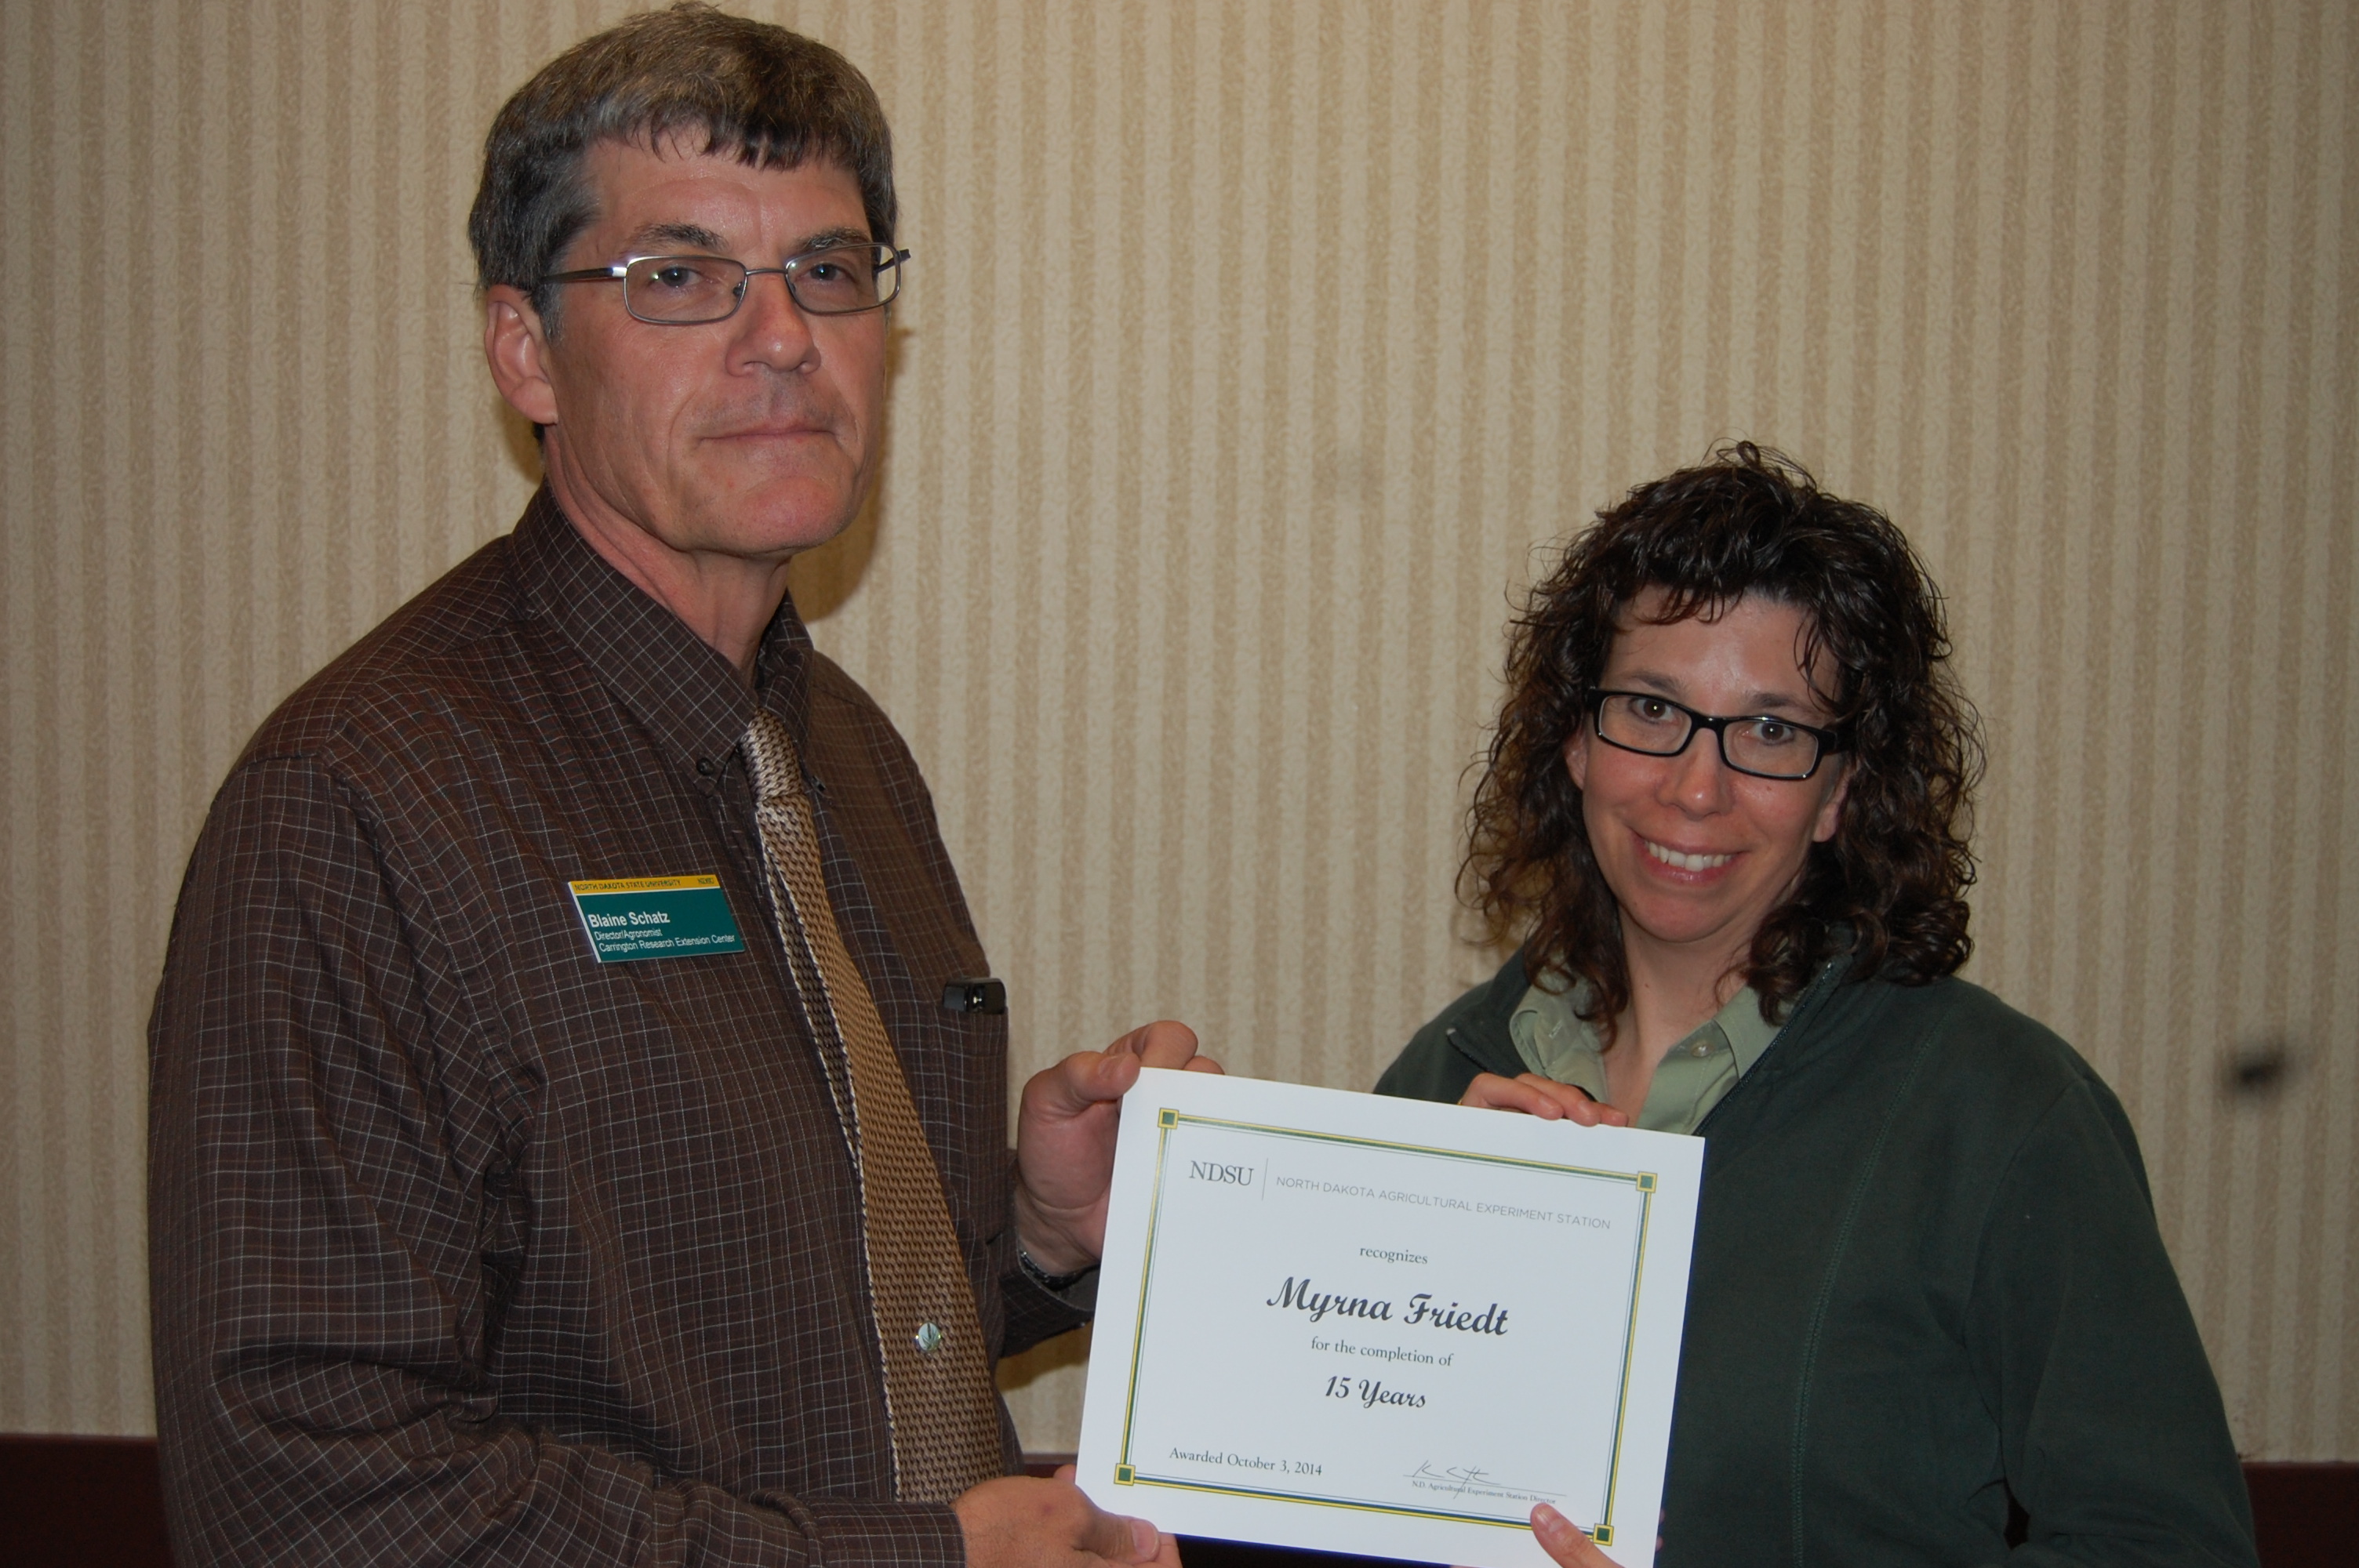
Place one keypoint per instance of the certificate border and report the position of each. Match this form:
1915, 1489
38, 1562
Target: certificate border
1167, 1120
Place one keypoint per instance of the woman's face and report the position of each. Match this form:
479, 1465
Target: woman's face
1697, 854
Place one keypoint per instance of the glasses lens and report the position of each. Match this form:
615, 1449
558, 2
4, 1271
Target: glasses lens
846, 279
1643, 724
1771, 748
682, 289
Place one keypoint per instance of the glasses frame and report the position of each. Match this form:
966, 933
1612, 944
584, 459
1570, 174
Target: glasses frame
1830, 741
619, 272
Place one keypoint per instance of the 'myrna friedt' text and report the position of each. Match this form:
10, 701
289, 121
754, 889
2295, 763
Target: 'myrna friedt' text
1422, 1311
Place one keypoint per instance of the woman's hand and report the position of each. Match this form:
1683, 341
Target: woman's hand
1567, 1541
1543, 1098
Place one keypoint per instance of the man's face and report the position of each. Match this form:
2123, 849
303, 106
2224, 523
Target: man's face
756, 437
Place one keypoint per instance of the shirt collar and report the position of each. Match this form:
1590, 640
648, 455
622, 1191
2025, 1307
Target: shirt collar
672, 681
1555, 1041
1747, 1033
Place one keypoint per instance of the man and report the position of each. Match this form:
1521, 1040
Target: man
578, 1132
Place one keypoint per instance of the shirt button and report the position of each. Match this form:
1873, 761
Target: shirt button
704, 766
1700, 1049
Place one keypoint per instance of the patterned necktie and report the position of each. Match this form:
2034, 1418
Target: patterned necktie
938, 1392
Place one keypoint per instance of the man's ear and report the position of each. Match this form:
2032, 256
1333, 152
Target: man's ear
517, 346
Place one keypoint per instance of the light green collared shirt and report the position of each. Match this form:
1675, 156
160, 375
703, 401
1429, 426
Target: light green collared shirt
1558, 1044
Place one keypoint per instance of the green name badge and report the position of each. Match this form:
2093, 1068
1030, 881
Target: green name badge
657, 917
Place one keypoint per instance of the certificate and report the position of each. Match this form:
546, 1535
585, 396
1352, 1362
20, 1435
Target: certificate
1384, 1326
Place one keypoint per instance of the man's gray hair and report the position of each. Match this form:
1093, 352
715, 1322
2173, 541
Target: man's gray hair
775, 99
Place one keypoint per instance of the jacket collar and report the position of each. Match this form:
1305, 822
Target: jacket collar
1481, 1035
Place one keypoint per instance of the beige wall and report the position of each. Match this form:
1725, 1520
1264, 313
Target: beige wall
1251, 349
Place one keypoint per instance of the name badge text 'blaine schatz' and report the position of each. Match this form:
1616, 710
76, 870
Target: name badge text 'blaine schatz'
630, 918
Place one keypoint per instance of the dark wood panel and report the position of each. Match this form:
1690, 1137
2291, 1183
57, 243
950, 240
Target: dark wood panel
82, 1502
95, 1502
2305, 1516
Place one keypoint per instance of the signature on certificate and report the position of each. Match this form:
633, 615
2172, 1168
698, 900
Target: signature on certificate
1473, 1478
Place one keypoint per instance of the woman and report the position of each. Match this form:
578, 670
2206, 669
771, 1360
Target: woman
1929, 1316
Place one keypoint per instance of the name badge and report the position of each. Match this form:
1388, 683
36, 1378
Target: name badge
655, 917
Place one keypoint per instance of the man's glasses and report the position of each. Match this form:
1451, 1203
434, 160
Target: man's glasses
686, 291
1764, 746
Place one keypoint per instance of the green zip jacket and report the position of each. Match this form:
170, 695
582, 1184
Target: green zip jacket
1927, 1279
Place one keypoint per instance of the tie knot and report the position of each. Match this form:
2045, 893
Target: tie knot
770, 754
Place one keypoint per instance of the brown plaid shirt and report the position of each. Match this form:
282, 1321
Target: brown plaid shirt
468, 1246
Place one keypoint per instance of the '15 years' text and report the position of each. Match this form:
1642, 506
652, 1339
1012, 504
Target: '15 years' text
1373, 1393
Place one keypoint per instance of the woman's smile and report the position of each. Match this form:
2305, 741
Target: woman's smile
1677, 860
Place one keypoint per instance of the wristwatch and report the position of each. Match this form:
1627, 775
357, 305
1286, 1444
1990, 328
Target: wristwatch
1055, 1284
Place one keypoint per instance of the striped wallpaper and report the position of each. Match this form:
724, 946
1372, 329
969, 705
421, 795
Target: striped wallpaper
1254, 353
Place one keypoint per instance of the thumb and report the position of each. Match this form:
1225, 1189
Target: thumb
1078, 1084
1566, 1542
1119, 1538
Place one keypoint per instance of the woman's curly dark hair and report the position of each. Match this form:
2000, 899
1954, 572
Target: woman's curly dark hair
1890, 884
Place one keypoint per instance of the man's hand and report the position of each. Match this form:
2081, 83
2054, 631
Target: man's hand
1064, 1141
1018, 1523
1543, 1098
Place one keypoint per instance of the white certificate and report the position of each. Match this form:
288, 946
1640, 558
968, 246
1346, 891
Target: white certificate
1383, 1326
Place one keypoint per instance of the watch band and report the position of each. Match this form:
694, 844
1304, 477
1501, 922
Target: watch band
1055, 1284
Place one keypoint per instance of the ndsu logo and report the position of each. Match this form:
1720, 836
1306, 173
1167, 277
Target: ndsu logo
1227, 1175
